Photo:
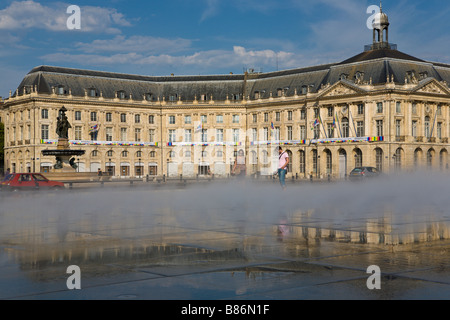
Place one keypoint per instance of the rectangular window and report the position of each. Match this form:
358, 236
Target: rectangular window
171, 119
330, 111
219, 135
277, 133
188, 135
266, 134
361, 109
109, 134
255, 118
414, 129
123, 117
219, 118
414, 108
172, 135
360, 129
137, 134
187, 120
93, 116
44, 131
277, 116
254, 134
235, 135
78, 133
109, 117
137, 118
330, 130
439, 110
302, 114
380, 107
44, 114
78, 115
379, 125
398, 107
302, 133
151, 119
439, 130
151, 135
398, 128
235, 118
123, 134
289, 133
204, 118
204, 136
266, 117
289, 115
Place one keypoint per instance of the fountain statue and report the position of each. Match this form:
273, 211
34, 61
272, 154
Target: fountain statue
63, 154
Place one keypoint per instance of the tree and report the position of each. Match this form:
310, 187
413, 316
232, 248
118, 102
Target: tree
2, 145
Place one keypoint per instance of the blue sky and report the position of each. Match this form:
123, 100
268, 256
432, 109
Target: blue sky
208, 36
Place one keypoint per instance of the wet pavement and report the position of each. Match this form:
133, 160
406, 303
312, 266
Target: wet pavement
214, 242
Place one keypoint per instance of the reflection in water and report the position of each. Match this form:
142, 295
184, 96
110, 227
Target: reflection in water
202, 226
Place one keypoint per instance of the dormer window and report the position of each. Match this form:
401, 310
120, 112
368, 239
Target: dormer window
148, 96
92, 92
60, 90
304, 89
121, 94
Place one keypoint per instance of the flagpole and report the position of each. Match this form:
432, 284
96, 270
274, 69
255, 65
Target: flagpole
323, 127
339, 126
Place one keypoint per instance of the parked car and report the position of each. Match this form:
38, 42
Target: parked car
29, 181
364, 172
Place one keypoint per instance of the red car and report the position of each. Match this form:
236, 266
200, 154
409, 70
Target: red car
29, 181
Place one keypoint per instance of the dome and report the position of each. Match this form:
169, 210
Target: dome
380, 20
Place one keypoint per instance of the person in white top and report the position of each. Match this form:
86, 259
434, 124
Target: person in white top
283, 161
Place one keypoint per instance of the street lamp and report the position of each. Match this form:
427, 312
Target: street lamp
140, 168
78, 166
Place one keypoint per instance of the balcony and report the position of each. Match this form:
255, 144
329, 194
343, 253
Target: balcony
419, 139
400, 138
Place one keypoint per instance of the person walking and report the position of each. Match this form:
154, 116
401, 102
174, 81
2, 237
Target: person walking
283, 161
239, 168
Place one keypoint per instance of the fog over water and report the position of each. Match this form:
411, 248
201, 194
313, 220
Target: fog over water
413, 197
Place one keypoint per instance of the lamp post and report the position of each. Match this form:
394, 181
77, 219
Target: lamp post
140, 168
109, 167
78, 165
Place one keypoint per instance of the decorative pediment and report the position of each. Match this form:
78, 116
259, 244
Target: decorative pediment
433, 87
340, 89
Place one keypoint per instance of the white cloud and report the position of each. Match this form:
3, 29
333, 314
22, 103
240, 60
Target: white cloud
147, 44
203, 60
28, 15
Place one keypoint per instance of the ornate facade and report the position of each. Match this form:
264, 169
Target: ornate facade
381, 108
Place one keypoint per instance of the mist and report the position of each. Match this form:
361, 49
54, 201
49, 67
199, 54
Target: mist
144, 210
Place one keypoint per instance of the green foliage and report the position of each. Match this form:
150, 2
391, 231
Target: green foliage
2, 144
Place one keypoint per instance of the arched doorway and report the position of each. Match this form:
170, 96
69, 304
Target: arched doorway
342, 163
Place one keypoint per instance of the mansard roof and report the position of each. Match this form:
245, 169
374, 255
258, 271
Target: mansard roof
372, 66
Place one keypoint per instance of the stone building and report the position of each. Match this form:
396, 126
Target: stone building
381, 108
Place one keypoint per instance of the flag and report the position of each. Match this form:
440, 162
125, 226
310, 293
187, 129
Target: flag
199, 127
334, 122
94, 128
271, 125
316, 123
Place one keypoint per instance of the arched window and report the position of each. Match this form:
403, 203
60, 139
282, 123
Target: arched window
329, 162
302, 161
430, 155
379, 159
417, 157
398, 159
289, 166
358, 158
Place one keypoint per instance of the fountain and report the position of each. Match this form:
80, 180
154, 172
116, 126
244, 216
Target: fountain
65, 167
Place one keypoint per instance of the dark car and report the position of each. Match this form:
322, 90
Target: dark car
29, 181
363, 173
